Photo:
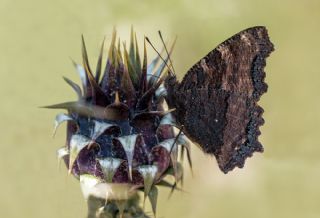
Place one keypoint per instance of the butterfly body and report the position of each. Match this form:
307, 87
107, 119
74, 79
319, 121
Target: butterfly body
216, 102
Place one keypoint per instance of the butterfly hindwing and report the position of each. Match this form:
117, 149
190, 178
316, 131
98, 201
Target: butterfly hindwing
216, 102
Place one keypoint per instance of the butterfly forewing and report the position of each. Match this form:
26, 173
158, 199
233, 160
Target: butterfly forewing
216, 102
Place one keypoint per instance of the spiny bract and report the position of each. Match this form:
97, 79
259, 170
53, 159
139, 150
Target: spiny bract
121, 136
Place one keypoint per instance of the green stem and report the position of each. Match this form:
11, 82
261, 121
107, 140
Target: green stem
131, 208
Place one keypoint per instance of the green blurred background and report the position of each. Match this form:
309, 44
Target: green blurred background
36, 40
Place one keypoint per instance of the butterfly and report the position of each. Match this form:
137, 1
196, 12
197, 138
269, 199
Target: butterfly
216, 101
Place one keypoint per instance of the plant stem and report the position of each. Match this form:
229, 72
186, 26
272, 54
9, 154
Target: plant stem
97, 208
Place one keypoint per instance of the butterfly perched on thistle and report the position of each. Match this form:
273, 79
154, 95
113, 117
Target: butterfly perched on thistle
130, 121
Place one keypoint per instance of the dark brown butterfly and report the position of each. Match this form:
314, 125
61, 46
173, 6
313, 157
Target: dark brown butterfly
216, 102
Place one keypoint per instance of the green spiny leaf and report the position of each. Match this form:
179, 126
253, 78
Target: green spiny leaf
133, 75
132, 47
99, 63
137, 59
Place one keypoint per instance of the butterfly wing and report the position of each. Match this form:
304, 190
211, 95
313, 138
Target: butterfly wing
216, 102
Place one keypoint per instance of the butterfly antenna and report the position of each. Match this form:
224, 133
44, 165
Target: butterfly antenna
165, 61
165, 47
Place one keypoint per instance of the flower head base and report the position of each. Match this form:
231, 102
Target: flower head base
121, 136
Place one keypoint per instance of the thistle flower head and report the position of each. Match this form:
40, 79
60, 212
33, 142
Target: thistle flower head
121, 135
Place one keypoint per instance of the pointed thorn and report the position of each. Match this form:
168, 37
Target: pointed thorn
117, 98
73, 61
130, 172
128, 144
148, 173
99, 63
172, 190
153, 196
